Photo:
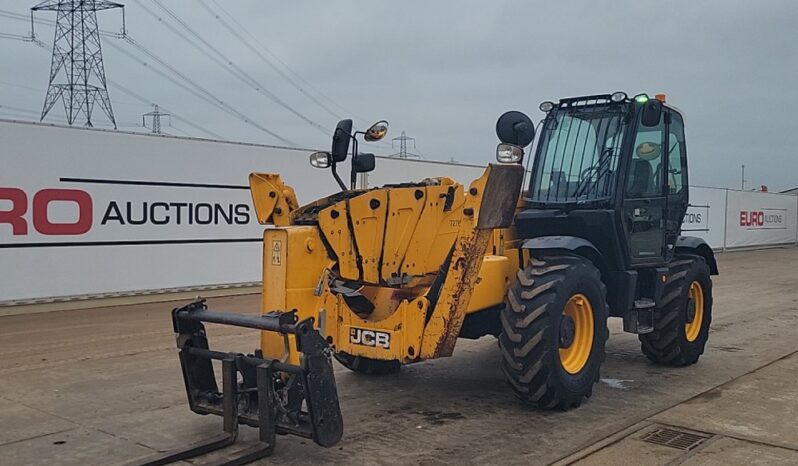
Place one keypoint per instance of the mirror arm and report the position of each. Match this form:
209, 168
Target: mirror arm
352, 172
337, 178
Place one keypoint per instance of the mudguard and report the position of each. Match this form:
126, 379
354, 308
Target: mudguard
568, 243
694, 245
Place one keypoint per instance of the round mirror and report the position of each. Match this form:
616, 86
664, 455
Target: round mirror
515, 128
377, 131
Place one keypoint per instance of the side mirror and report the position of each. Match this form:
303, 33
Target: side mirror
515, 128
340, 144
320, 159
377, 131
363, 163
652, 113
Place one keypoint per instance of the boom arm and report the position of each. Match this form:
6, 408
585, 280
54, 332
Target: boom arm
273, 200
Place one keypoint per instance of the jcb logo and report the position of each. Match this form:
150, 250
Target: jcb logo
359, 336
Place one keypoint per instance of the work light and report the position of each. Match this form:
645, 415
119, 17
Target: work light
619, 96
509, 153
320, 159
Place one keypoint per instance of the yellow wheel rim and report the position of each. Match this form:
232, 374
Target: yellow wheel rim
577, 342
695, 299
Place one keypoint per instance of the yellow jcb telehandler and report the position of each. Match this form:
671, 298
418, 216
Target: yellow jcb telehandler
379, 278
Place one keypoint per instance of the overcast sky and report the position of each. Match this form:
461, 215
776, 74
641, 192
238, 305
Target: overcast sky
444, 71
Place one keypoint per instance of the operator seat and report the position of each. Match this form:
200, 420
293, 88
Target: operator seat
642, 178
559, 187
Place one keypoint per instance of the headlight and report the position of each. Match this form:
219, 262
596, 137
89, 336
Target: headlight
619, 96
546, 106
509, 153
320, 159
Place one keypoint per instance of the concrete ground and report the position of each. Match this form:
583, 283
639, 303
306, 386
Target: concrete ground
102, 386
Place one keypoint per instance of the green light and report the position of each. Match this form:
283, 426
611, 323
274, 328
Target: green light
641, 98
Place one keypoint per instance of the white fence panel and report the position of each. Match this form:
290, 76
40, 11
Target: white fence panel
93, 212
758, 219
86, 212
706, 215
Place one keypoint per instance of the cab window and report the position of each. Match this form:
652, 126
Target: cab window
646, 166
677, 156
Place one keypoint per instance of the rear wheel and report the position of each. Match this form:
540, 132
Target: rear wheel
554, 329
368, 366
682, 318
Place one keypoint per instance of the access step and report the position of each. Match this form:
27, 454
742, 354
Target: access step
640, 319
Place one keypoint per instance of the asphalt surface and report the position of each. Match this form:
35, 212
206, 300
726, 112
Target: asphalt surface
103, 386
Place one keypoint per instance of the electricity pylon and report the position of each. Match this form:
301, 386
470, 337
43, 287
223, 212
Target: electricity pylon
77, 74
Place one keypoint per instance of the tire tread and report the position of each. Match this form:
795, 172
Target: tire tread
528, 321
666, 344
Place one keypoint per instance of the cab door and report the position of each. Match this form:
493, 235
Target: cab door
676, 187
645, 202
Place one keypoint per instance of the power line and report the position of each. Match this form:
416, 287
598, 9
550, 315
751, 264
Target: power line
254, 39
32, 89
175, 128
20, 116
208, 97
248, 44
16, 112
27, 19
6, 35
197, 90
143, 99
17, 109
175, 116
231, 66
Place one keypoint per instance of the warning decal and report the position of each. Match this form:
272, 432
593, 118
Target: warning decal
277, 248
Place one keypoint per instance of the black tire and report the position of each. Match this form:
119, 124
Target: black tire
368, 366
668, 343
531, 325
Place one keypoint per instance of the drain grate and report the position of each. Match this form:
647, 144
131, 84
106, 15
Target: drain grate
674, 438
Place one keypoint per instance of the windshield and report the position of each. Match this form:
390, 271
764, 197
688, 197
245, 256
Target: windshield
577, 157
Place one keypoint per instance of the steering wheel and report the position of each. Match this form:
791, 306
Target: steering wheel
588, 173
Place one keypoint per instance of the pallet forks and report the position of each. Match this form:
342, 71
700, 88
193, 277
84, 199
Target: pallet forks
275, 397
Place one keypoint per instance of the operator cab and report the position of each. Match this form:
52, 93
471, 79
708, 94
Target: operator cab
609, 183
613, 170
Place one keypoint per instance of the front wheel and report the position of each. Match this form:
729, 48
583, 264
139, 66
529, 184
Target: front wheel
554, 330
